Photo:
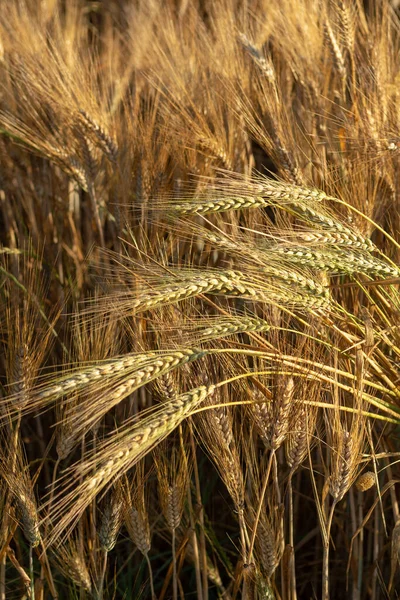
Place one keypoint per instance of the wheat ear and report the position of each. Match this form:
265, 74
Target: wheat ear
121, 452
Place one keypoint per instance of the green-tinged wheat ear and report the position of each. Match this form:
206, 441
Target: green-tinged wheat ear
146, 374
291, 277
295, 199
269, 195
308, 284
310, 215
333, 232
203, 207
5, 250
227, 283
142, 368
339, 261
264, 587
265, 194
233, 326
338, 238
207, 283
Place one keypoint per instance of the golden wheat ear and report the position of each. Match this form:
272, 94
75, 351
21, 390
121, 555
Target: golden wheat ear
117, 454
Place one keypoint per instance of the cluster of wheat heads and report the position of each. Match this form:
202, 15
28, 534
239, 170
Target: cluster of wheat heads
199, 299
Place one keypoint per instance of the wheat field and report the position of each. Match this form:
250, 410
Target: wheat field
199, 299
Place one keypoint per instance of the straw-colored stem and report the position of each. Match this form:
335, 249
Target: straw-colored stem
174, 573
27, 581
292, 566
361, 542
3, 578
260, 506
325, 560
244, 536
100, 590
196, 559
52, 488
31, 573
203, 553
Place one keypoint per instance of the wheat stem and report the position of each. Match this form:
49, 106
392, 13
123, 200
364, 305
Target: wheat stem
174, 573
260, 506
325, 560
